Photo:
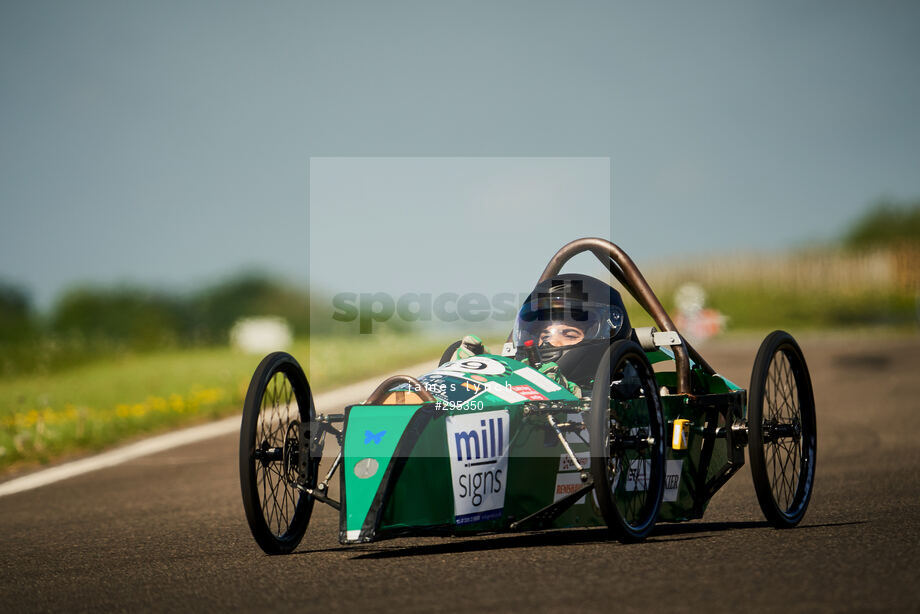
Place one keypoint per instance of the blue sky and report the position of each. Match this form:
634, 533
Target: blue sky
171, 142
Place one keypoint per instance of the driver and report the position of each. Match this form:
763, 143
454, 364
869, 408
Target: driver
556, 334
561, 333
571, 319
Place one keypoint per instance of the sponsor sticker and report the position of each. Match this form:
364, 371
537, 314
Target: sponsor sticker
639, 473
637, 476
372, 437
505, 394
672, 480
529, 393
566, 464
538, 379
566, 484
580, 436
478, 448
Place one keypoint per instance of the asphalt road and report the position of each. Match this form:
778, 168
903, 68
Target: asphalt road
167, 532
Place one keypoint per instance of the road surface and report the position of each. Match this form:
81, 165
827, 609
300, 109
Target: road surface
167, 531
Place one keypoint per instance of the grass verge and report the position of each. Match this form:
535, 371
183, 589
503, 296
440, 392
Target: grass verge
757, 307
44, 417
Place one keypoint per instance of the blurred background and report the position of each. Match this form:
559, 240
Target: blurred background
187, 185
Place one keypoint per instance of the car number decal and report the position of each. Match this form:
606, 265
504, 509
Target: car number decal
480, 365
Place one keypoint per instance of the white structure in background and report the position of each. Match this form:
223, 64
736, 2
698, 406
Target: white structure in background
261, 335
693, 319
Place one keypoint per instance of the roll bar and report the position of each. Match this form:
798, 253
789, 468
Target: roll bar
627, 273
381, 391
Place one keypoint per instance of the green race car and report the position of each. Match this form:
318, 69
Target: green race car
488, 443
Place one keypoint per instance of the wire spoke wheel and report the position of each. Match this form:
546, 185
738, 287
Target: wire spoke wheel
627, 441
277, 404
783, 437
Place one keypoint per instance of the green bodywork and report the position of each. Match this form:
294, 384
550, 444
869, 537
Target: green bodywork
400, 473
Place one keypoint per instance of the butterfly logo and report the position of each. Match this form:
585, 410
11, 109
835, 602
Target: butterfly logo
369, 436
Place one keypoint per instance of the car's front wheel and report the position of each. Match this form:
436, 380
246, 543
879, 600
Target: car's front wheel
627, 441
278, 411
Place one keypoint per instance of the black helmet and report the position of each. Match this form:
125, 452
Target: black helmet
575, 301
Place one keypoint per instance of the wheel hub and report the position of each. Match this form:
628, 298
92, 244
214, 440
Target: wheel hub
291, 455
773, 431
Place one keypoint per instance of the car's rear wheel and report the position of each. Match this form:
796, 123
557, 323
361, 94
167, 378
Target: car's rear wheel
627, 441
278, 410
782, 430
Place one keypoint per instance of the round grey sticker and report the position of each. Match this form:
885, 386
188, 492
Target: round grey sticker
366, 467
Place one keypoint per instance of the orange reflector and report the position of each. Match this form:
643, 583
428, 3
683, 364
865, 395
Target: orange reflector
681, 435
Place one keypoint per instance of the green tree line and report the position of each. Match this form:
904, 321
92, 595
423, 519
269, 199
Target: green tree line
888, 223
94, 321
98, 321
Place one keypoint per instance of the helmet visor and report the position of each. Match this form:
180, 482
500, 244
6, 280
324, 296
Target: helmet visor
558, 321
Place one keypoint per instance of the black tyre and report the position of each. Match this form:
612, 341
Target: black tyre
783, 436
626, 427
278, 407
